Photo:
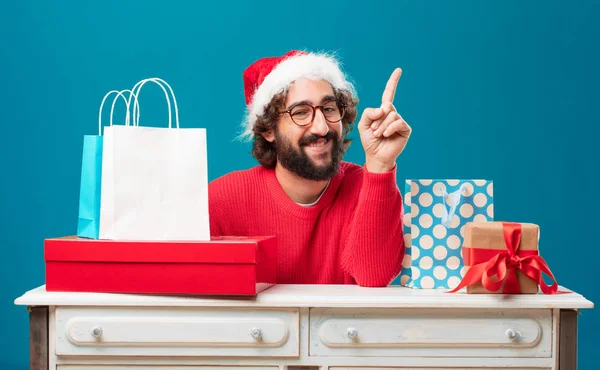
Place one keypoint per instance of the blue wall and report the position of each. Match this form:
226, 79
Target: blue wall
504, 90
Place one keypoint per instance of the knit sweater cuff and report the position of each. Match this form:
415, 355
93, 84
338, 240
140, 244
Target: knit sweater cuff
381, 185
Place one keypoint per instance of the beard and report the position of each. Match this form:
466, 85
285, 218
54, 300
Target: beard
298, 162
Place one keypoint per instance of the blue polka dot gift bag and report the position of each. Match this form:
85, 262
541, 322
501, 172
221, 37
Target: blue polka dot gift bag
435, 214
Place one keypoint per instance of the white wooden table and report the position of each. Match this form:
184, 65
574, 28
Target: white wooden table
331, 327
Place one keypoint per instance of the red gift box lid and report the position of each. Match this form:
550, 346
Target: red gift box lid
230, 249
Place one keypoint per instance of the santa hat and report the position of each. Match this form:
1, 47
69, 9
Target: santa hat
269, 76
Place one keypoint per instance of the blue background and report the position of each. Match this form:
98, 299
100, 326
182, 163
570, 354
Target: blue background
504, 90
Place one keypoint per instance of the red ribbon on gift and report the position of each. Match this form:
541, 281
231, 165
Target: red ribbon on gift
486, 263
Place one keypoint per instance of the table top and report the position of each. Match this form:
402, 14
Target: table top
316, 296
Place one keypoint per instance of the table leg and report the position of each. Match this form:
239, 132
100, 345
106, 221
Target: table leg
38, 338
567, 353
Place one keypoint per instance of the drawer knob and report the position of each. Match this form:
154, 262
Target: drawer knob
96, 332
511, 334
352, 333
256, 333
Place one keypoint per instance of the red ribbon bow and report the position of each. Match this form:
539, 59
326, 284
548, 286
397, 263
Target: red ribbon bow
486, 263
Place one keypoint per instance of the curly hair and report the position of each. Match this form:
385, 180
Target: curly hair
265, 151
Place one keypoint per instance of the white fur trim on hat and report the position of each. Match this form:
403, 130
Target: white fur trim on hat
311, 66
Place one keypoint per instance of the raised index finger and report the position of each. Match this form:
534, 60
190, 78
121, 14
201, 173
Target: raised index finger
390, 87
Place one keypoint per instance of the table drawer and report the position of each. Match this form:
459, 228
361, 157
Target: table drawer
177, 331
430, 333
437, 368
162, 367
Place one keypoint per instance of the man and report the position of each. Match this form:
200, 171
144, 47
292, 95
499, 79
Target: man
335, 222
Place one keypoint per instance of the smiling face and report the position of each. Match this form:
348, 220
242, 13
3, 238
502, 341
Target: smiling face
310, 149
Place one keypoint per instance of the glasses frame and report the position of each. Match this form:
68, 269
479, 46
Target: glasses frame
314, 108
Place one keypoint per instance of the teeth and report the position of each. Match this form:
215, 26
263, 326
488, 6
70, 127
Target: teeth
320, 142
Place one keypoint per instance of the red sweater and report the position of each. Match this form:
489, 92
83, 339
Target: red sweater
353, 235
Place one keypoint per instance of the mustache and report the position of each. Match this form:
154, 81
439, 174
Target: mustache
331, 135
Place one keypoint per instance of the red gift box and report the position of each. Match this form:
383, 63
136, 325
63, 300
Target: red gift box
221, 266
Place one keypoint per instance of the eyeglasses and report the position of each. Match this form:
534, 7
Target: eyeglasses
304, 114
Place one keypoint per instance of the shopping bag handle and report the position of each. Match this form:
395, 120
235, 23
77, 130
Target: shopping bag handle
447, 216
136, 92
112, 109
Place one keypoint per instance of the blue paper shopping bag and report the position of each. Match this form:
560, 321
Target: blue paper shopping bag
88, 223
436, 212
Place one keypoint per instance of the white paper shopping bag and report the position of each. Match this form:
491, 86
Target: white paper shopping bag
154, 180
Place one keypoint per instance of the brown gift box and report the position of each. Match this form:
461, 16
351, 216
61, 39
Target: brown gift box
490, 235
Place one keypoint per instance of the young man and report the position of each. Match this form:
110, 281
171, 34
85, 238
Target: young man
335, 222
